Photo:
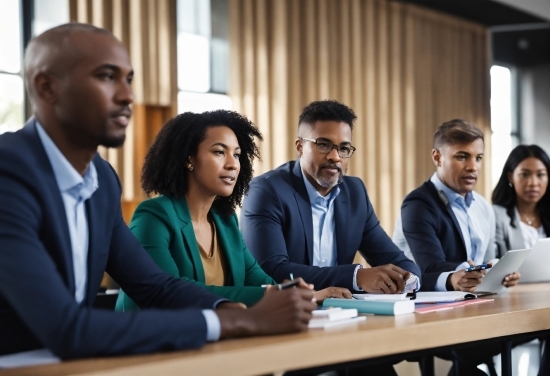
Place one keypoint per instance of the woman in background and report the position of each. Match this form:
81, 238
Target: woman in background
521, 200
201, 165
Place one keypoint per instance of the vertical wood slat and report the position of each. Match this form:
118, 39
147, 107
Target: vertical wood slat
262, 68
370, 149
357, 165
152, 49
397, 65
396, 110
296, 88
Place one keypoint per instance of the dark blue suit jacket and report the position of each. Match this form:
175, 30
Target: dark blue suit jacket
37, 290
433, 233
278, 229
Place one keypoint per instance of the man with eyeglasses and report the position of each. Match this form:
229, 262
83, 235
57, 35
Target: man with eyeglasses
307, 219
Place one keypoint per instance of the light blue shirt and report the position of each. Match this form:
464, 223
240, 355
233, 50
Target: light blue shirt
75, 190
322, 213
324, 239
477, 225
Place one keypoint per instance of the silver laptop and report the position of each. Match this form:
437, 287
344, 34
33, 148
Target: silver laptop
509, 263
536, 267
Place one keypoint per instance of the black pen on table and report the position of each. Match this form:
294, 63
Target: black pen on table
282, 286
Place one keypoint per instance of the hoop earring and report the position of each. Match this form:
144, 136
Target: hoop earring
190, 168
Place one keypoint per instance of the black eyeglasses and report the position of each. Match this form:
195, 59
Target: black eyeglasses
324, 146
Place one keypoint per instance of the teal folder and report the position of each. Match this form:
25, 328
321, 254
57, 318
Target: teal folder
373, 307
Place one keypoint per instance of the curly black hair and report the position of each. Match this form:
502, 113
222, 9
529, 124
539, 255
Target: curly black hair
505, 195
165, 166
326, 110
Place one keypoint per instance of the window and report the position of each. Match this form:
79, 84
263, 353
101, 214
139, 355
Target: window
12, 109
43, 15
505, 135
202, 55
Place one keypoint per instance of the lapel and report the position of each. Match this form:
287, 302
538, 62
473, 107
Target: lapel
444, 202
514, 234
94, 237
98, 242
188, 234
304, 207
228, 241
59, 237
341, 219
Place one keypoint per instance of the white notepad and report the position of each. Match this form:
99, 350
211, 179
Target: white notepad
421, 297
331, 317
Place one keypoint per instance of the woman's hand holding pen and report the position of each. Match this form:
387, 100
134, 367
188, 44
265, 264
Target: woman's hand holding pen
511, 279
299, 283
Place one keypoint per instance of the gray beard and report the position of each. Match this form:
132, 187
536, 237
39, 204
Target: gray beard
329, 183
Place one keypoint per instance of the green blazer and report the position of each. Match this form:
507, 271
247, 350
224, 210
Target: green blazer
163, 226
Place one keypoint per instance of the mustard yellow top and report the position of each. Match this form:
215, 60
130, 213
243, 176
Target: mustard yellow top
213, 262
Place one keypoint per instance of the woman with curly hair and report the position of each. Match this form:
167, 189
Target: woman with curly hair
201, 165
521, 200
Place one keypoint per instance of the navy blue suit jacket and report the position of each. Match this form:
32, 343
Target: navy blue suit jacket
277, 227
37, 290
433, 234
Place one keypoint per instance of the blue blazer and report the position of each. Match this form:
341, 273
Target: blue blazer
37, 290
433, 234
278, 229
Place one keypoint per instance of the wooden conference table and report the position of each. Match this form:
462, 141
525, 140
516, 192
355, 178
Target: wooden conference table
524, 309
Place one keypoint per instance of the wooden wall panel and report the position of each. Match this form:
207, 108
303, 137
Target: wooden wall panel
402, 68
152, 49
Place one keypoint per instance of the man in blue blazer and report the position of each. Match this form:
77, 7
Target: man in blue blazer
444, 223
447, 226
308, 219
61, 225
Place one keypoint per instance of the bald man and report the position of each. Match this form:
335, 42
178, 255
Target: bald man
61, 225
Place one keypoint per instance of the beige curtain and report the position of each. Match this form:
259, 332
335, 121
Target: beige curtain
148, 29
402, 68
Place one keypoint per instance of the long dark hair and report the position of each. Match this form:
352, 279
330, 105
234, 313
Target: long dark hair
505, 196
165, 167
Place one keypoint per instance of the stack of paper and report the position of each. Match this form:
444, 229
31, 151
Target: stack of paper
327, 318
421, 297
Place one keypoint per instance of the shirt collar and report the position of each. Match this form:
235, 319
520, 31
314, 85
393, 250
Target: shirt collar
68, 179
452, 196
314, 194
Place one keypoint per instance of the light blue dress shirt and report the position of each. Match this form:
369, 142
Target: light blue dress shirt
477, 225
75, 190
324, 239
322, 213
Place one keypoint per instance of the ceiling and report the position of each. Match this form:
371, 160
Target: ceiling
520, 29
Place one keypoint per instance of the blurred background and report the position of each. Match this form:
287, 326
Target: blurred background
403, 66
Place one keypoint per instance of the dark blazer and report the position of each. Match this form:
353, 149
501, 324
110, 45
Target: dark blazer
277, 227
163, 226
433, 234
37, 303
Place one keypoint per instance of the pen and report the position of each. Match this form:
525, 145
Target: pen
478, 267
285, 285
